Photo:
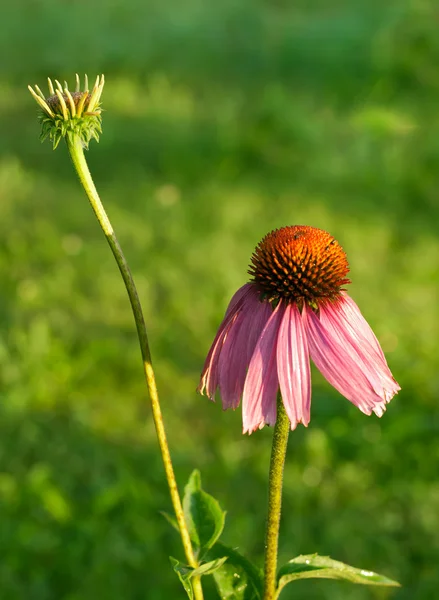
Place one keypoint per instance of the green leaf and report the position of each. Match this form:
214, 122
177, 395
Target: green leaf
184, 574
238, 578
312, 566
171, 519
210, 567
203, 514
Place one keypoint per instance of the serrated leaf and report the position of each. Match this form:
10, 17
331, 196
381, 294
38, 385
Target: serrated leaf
183, 573
203, 514
238, 578
315, 566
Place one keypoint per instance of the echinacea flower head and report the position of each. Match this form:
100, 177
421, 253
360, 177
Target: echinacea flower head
70, 113
295, 308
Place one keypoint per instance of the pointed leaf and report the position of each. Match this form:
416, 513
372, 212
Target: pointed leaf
312, 566
210, 567
170, 518
183, 574
203, 514
238, 578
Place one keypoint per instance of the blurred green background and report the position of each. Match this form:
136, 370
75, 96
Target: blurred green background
223, 121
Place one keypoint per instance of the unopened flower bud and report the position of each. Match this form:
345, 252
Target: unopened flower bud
70, 113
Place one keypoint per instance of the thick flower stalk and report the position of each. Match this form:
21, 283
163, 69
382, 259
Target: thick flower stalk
76, 117
295, 308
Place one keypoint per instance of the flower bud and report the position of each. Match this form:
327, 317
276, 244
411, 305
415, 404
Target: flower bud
65, 113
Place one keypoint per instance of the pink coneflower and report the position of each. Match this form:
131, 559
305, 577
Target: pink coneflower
295, 308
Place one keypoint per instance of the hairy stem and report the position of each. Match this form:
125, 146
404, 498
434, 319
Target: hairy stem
277, 461
80, 164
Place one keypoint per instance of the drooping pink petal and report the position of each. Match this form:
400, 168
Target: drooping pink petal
293, 367
238, 348
362, 332
261, 383
357, 323
238, 296
209, 375
347, 322
260, 318
341, 366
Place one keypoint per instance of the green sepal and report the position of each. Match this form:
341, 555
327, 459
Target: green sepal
314, 566
203, 514
55, 128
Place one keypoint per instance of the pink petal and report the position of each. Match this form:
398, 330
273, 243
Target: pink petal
238, 348
341, 365
259, 320
347, 322
238, 296
209, 375
355, 320
293, 367
261, 383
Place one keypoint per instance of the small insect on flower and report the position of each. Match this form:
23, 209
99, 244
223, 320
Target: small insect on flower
65, 113
295, 307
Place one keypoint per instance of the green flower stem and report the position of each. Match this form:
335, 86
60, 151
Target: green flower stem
77, 155
277, 461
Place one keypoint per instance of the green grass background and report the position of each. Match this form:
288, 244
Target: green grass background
223, 121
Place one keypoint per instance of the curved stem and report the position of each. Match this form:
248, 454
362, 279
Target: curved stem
277, 461
77, 155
